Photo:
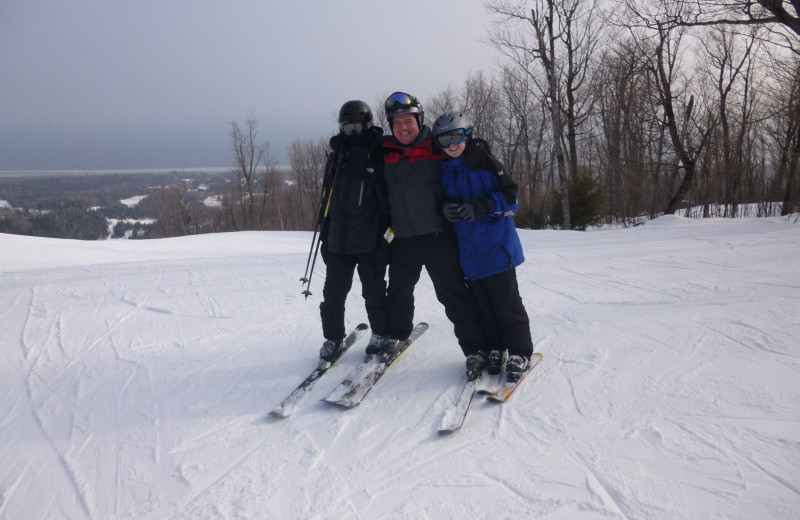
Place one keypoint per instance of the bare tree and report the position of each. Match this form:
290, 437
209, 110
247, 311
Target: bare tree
780, 18
687, 147
522, 138
631, 134
181, 211
248, 156
446, 101
581, 38
271, 203
560, 37
539, 46
786, 132
479, 98
379, 113
732, 67
172, 212
307, 159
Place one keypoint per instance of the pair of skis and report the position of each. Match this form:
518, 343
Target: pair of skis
496, 387
288, 405
352, 390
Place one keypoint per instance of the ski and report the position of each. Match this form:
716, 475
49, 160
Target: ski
497, 388
490, 383
288, 405
455, 414
352, 390
507, 388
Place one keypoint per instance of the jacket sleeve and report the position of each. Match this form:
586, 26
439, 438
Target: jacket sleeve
504, 197
502, 201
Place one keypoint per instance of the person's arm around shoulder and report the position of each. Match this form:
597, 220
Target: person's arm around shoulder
503, 199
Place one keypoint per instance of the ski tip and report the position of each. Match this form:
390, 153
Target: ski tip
276, 415
339, 403
450, 425
497, 398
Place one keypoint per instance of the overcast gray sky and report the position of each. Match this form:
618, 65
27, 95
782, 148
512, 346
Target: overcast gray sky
113, 84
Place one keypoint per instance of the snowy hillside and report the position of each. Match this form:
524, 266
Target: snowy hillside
135, 378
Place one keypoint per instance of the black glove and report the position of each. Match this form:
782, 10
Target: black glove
466, 212
450, 211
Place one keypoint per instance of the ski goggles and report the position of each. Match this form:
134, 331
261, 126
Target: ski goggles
350, 128
453, 137
400, 99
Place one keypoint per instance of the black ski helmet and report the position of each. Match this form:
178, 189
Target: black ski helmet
355, 118
402, 103
355, 111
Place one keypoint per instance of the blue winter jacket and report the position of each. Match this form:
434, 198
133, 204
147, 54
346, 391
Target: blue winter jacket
490, 245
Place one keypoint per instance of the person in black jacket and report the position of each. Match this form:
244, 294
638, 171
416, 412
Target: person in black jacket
354, 216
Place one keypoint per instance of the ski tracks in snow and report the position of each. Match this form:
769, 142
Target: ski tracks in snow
668, 389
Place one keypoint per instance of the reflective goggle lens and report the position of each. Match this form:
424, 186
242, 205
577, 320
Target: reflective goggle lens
352, 128
399, 98
454, 137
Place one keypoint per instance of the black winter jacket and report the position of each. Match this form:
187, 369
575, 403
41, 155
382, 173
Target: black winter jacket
355, 211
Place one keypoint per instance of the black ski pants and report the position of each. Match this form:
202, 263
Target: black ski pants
502, 312
339, 281
438, 253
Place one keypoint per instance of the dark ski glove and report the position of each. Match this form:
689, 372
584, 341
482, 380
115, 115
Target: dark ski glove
466, 212
450, 210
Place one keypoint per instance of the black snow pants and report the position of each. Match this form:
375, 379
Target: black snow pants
438, 253
502, 312
339, 281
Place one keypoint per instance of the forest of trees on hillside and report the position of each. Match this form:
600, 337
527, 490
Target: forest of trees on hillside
606, 114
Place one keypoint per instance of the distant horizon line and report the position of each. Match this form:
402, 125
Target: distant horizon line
125, 170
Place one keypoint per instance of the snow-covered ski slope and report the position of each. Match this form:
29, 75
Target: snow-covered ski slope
136, 377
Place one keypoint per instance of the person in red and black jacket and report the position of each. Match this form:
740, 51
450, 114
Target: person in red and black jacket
421, 234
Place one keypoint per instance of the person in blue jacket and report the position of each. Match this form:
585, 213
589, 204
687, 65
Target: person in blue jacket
480, 201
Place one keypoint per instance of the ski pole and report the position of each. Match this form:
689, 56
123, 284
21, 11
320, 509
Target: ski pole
317, 219
320, 217
305, 279
307, 292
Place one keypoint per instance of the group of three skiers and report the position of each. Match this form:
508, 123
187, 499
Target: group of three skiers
421, 197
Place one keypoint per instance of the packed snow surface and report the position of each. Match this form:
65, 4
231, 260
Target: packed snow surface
136, 377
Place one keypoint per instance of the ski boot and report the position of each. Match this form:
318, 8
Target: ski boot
375, 345
516, 367
391, 346
494, 364
330, 352
475, 364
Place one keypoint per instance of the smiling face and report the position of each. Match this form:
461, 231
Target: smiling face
405, 128
455, 150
